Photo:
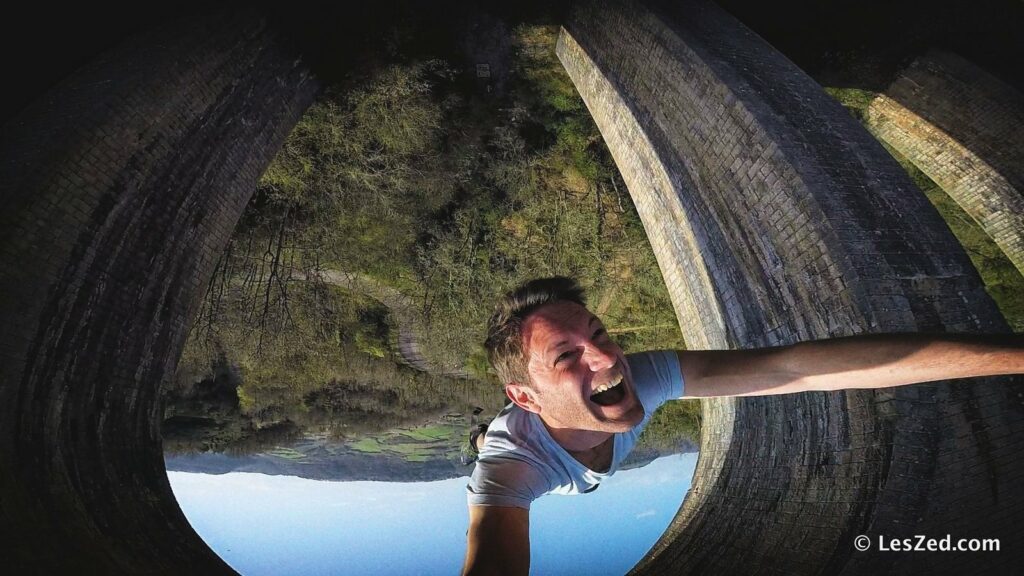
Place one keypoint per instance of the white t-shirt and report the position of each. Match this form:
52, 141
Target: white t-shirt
521, 462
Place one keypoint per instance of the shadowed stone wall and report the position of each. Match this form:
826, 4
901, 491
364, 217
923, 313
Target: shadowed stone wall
776, 218
120, 188
965, 130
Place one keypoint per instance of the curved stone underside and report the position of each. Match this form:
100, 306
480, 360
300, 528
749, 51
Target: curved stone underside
775, 217
120, 188
965, 130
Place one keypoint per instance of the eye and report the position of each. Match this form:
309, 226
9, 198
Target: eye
564, 356
600, 332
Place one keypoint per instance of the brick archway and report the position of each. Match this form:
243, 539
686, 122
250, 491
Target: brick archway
121, 186
775, 217
964, 128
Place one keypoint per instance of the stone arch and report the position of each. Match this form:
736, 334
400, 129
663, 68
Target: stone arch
964, 128
789, 222
776, 218
120, 187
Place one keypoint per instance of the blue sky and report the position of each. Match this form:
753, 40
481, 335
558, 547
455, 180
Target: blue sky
263, 525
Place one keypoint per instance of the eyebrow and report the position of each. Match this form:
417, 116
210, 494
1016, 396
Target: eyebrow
556, 345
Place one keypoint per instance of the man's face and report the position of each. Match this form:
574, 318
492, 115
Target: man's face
579, 376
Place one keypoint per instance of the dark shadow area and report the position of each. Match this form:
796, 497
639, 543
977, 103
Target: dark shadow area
864, 44
134, 142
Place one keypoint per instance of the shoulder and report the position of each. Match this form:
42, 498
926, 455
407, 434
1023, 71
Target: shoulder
651, 362
507, 480
517, 438
513, 430
515, 466
657, 376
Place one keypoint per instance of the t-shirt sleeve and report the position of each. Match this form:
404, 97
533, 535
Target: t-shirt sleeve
503, 481
657, 376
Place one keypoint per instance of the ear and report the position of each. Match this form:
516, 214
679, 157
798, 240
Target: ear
522, 396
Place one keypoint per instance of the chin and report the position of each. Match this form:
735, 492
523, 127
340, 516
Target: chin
624, 421
635, 416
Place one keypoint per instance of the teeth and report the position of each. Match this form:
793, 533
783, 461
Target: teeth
608, 385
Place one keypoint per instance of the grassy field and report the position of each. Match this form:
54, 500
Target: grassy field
369, 445
290, 454
437, 440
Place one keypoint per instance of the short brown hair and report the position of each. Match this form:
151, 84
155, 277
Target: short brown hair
505, 329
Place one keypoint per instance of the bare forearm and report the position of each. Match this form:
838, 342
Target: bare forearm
498, 542
869, 361
880, 361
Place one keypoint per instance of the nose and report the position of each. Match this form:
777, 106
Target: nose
597, 358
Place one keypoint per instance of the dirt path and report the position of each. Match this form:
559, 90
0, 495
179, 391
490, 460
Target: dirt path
405, 313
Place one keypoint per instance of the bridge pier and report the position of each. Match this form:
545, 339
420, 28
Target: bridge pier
777, 218
965, 130
120, 188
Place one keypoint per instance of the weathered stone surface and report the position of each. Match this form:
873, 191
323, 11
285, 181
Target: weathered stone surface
776, 218
120, 188
965, 130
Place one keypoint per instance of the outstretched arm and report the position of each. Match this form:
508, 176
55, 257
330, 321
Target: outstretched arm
867, 361
498, 541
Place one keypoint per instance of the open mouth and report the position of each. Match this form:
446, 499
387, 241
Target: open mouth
609, 393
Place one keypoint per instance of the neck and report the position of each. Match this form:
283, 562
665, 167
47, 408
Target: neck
576, 440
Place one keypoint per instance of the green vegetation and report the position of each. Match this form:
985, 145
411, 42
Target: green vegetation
855, 100
407, 449
368, 444
283, 452
673, 422
410, 176
1002, 279
430, 433
425, 446
431, 441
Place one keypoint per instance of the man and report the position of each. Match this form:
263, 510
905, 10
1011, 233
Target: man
579, 404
